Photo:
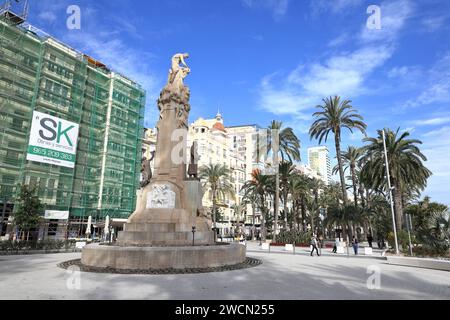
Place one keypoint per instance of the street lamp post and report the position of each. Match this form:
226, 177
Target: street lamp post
193, 235
390, 193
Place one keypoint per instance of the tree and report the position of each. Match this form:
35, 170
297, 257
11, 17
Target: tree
343, 216
29, 212
334, 115
350, 160
331, 196
422, 211
406, 169
286, 170
430, 222
435, 234
251, 198
216, 178
259, 187
239, 212
288, 145
300, 192
315, 185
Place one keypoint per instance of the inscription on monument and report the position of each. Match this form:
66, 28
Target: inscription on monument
161, 197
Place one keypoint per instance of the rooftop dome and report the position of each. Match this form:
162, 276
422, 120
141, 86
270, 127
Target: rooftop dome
219, 126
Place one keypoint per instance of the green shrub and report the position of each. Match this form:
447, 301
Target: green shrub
294, 236
16, 246
435, 233
403, 240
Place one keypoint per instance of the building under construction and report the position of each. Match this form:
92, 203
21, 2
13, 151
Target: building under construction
39, 73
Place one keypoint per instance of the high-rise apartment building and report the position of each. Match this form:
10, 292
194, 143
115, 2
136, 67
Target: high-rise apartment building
40, 74
319, 161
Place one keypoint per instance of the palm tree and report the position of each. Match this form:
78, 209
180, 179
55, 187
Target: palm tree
315, 185
216, 178
251, 198
239, 211
300, 192
331, 196
343, 216
405, 167
286, 169
350, 160
259, 187
333, 117
288, 145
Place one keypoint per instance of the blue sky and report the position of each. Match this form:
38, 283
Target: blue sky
259, 60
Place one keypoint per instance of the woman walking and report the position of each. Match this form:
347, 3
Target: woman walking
314, 245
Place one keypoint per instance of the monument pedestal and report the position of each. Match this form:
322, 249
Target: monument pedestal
145, 258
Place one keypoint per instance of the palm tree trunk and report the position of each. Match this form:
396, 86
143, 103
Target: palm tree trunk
263, 224
296, 216
285, 208
276, 204
337, 141
303, 210
254, 227
397, 195
355, 191
214, 214
361, 195
316, 202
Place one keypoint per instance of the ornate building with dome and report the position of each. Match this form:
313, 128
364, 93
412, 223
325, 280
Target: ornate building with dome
215, 145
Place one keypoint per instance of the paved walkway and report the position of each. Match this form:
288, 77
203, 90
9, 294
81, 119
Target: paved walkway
255, 247
281, 276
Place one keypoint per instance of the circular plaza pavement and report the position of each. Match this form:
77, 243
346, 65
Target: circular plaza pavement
282, 275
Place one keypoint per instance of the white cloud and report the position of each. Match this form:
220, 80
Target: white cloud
47, 16
432, 24
121, 58
258, 37
432, 121
436, 147
405, 72
339, 40
277, 7
335, 7
343, 73
304, 87
437, 88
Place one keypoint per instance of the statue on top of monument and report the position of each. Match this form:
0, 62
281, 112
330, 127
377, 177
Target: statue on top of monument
175, 95
178, 71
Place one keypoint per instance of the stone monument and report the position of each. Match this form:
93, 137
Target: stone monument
159, 233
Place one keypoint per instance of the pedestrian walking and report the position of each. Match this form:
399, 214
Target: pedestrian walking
314, 245
369, 240
355, 245
335, 245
